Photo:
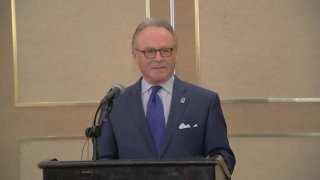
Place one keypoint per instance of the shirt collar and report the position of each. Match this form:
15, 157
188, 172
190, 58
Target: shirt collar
168, 85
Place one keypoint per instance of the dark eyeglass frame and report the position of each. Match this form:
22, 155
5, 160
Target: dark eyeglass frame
151, 53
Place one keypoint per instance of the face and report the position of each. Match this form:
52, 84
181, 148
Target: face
158, 69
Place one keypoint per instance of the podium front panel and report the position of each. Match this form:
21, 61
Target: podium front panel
130, 170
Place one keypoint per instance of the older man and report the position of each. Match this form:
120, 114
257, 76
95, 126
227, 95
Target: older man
161, 116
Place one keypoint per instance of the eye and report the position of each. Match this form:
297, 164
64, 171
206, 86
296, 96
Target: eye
166, 50
149, 51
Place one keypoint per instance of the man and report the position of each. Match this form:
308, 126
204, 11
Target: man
188, 122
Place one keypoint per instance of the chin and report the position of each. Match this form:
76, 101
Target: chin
159, 80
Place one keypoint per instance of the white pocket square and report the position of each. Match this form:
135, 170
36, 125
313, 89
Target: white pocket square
184, 126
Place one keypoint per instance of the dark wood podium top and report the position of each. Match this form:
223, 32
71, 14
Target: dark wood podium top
167, 169
108, 163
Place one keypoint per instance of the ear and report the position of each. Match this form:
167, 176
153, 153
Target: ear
176, 55
134, 57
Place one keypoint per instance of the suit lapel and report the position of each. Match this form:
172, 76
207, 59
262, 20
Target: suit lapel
138, 115
178, 105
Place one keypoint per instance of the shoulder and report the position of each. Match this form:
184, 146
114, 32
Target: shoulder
193, 89
129, 92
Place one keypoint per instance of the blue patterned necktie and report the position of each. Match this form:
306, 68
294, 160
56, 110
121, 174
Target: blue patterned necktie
155, 116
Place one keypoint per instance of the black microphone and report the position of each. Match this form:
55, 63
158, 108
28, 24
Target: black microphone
104, 108
106, 104
114, 92
107, 101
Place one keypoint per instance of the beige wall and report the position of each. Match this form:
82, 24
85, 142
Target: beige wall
262, 49
57, 52
265, 136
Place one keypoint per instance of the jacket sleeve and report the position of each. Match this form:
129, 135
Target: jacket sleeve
106, 143
216, 138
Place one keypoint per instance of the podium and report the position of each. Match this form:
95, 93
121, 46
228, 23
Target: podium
169, 169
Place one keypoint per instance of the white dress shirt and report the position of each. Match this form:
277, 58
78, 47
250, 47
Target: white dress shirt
165, 94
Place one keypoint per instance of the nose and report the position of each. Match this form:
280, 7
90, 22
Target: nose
158, 55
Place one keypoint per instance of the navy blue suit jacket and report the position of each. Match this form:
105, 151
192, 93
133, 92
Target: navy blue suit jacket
125, 134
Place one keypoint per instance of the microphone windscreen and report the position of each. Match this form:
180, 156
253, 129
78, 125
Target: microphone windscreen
120, 87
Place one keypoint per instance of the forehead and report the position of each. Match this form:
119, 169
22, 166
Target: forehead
154, 36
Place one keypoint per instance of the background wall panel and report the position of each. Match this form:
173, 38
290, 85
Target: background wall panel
185, 28
260, 48
276, 157
66, 49
35, 150
24, 121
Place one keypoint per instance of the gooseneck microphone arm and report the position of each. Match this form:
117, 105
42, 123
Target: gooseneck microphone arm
95, 130
104, 108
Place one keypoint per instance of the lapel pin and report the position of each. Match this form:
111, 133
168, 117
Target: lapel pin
182, 100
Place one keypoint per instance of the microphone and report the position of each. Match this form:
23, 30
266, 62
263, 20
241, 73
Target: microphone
104, 108
107, 101
114, 92
106, 104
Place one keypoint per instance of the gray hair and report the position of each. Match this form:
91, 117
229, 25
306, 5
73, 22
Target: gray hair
154, 22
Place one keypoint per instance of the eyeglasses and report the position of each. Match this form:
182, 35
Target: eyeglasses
151, 53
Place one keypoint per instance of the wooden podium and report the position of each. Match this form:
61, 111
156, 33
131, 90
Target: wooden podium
174, 169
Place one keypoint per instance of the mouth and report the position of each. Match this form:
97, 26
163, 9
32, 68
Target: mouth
161, 67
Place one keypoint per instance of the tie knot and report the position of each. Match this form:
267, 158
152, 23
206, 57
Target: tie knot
155, 89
